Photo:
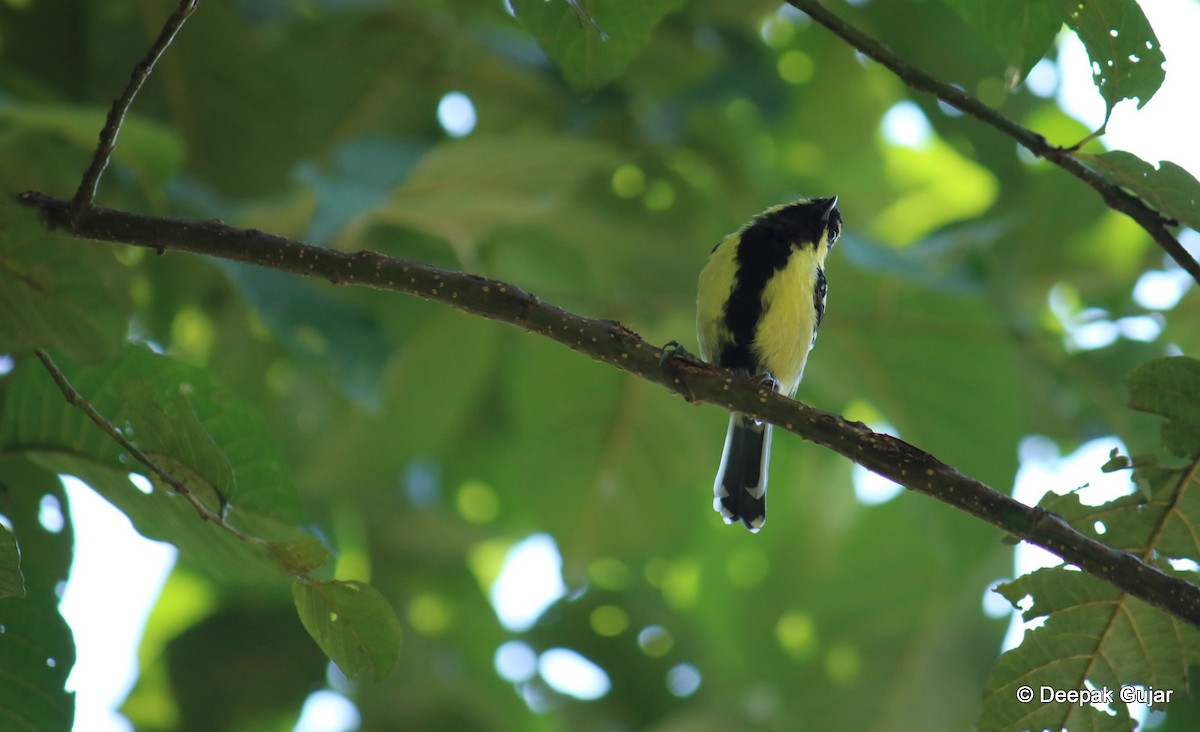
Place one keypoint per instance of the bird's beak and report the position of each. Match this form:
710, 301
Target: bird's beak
830, 209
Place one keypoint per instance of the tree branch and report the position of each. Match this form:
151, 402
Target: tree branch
85, 195
75, 399
1114, 195
611, 342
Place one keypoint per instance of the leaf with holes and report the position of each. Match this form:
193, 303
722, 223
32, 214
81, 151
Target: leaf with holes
1095, 634
1168, 189
352, 623
1127, 60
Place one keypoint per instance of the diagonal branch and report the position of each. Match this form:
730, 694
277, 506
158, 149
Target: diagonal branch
1114, 195
611, 342
85, 195
75, 399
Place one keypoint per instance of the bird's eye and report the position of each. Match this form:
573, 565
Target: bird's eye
833, 236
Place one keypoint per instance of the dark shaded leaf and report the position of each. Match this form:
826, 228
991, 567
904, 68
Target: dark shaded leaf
1022, 30
592, 52
37, 651
12, 582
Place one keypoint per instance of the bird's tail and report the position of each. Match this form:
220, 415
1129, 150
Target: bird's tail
740, 492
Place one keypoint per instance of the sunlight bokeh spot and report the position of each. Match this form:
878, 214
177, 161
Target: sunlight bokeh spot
628, 181
1160, 289
477, 503
609, 574
515, 661
192, 334
529, 582
795, 67
429, 614
906, 125
50, 514
683, 679
328, 711
142, 483
681, 584
422, 482
797, 635
660, 196
486, 559
655, 641
655, 571
456, 114
776, 31
843, 664
609, 620
570, 673
747, 567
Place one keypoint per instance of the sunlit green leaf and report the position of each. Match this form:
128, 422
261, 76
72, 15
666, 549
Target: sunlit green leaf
1171, 190
1095, 633
352, 623
1094, 636
1127, 60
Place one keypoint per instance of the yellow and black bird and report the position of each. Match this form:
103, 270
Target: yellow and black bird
761, 299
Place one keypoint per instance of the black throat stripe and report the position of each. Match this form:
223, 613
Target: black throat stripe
763, 250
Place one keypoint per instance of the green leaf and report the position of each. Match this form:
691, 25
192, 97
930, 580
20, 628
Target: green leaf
1094, 633
1127, 60
12, 582
37, 651
1169, 189
191, 427
466, 189
352, 623
1022, 30
153, 150
588, 53
1170, 387
319, 327
51, 298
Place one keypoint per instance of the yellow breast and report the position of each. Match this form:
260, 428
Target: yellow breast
785, 332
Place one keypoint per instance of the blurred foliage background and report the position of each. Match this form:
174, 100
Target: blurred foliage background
423, 443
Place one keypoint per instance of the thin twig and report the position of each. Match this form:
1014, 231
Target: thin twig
1114, 196
613, 343
75, 399
85, 195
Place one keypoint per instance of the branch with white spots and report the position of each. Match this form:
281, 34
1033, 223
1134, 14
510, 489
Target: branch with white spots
613, 343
